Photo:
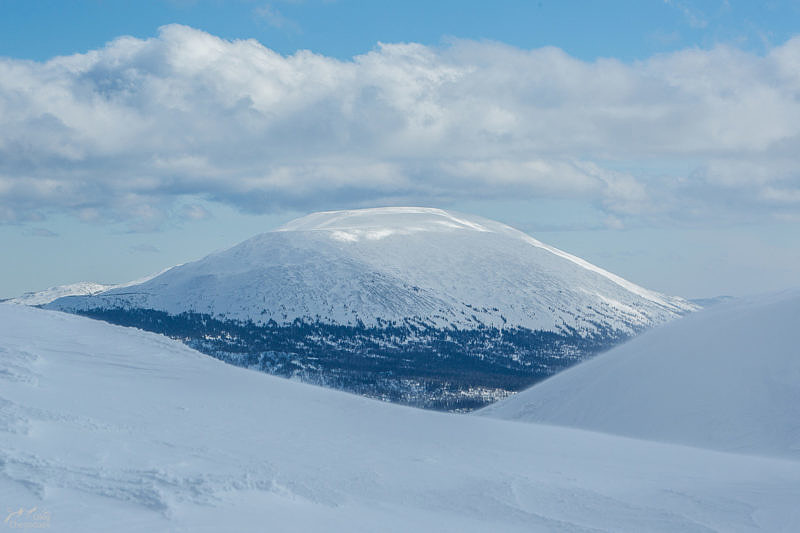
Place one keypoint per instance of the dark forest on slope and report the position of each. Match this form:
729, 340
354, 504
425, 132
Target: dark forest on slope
443, 369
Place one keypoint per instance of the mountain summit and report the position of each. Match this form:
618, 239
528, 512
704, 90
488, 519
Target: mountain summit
409, 289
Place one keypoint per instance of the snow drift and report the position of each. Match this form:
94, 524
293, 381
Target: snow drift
105, 428
725, 378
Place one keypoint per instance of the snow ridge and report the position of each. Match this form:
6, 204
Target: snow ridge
82, 288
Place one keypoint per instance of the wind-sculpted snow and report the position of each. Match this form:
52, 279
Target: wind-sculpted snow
105, 428
726, 378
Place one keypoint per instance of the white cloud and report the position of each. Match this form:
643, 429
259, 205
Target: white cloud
126, 132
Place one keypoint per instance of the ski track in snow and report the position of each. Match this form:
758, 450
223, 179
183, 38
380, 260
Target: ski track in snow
114, 429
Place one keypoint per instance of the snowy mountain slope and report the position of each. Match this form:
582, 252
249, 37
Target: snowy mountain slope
414, 305
725, 378
710, 302
393, 264
105, 428
82, 288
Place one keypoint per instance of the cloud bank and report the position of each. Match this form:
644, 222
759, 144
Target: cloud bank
127, 131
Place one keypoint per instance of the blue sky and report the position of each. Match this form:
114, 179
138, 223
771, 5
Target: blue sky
657, 139
625, 29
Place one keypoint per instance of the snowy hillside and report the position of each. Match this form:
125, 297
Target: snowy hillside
396, 264
726, 378
105, 428
83, 288
414, 305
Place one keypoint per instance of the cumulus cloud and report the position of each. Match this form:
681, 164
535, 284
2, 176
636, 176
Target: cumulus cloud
128, 131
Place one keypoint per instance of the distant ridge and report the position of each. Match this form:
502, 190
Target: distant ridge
82, 288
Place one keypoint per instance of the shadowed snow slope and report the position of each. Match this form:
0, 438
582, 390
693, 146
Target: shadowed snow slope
726, 378
370, 266
105, 428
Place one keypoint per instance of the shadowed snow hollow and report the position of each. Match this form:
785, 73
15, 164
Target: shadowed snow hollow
727, 378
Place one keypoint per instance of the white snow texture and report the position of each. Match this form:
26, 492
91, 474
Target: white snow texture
82, 288
432, 266
726, 378
104, 428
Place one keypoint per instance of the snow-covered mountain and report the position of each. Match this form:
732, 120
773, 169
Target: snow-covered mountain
409, 289
401, 264
82, 288
105, 428
726, 378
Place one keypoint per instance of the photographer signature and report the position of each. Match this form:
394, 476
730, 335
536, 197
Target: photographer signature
33, 518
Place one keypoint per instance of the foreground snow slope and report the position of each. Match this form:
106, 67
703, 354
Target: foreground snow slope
726, 378
112, 429
424, 265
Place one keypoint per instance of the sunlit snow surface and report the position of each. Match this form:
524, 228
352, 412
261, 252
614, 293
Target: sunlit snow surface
111, 429
82, 288
726, 378
372, 266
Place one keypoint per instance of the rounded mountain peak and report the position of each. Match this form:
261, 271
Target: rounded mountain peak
381, 222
